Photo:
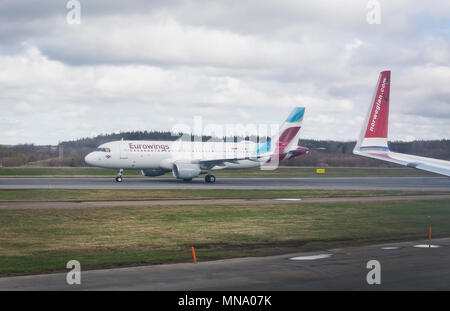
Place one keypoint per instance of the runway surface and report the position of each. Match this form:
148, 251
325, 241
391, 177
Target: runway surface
402, 268
361, 183
88, 204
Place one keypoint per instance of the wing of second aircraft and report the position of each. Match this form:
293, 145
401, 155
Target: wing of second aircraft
372, 142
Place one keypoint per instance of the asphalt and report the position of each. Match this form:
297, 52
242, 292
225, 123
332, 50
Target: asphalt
402, 268
89, 204
357, 183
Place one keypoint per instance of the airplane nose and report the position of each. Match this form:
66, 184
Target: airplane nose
89, 159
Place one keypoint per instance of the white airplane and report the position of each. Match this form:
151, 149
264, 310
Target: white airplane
188, 160
372, 142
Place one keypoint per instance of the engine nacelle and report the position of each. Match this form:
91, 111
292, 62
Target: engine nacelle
151, 172
186, 170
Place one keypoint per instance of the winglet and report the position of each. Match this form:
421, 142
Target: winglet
374, 132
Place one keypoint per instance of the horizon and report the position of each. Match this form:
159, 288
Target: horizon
214, 137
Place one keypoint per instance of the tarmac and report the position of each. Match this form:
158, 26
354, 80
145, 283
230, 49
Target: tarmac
354, 183
169, 202
402, 267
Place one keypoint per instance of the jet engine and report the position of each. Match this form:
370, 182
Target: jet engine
151, 172
186, 170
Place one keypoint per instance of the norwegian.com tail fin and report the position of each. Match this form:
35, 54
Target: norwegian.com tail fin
374, 132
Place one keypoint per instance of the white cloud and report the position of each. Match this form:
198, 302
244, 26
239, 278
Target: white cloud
23, 107
147, 65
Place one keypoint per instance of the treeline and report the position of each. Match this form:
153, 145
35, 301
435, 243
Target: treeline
18, 155
323, 152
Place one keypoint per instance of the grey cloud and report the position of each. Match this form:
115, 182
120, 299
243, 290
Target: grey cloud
225, 60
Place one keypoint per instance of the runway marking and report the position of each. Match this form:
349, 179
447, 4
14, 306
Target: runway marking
312, 257
288, 199
426, 246
85, 204
390, 247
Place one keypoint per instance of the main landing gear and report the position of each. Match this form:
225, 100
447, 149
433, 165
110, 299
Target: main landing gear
119, 175
210, 178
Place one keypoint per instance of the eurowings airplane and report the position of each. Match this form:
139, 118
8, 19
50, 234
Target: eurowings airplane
188, 160
372, 142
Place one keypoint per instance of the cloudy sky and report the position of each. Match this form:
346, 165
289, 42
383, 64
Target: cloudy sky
148, 65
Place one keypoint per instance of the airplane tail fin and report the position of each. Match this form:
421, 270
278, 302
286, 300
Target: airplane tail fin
287, 138
289, 133
375, 128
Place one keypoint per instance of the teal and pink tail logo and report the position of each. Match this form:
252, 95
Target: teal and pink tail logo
286, 142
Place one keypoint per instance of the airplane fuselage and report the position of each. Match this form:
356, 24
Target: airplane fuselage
188, 159
128, 154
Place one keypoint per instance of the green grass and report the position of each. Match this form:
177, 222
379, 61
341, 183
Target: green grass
40, 240
280, 172
40, 195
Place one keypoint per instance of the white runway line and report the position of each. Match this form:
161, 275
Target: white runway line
288, 199
426, 246
390, 247
312, 257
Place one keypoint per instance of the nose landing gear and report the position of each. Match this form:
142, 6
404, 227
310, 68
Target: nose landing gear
119, 175
210, 179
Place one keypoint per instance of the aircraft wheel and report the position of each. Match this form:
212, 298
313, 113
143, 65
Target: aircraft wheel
119, 179
210, 179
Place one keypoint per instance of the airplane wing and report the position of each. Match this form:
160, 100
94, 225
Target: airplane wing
208, 164
427, 164
372, 142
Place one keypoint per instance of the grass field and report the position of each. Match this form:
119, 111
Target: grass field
42, 195
280, 172
41, 240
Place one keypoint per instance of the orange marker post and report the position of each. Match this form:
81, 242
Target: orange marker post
193, 254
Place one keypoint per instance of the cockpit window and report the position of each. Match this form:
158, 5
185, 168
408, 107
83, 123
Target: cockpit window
103, 149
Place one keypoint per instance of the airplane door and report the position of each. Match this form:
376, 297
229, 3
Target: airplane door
123, 150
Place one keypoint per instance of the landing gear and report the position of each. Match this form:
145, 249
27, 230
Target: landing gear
210, 179
119, 175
